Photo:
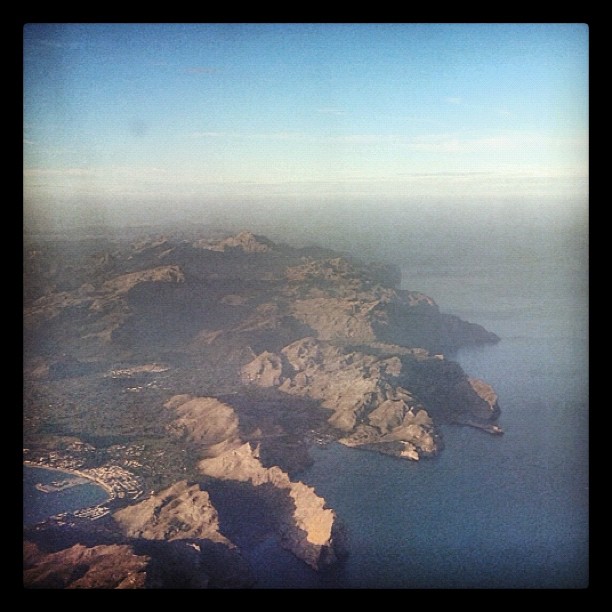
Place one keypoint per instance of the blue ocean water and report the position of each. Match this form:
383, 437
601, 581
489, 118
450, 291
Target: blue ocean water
488, 512
38, 505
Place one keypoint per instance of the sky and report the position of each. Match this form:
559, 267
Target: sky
121, 117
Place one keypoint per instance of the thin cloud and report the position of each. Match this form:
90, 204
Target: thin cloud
208, 134
201, 70
261, 135
426, 143
444, 174
131, 172
351, 139
138, 172
38, 172
60, 44
331, 111
511, 141
367, 139
454, 100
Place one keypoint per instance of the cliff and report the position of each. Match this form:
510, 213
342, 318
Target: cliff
303, 522
382, 394
306, 526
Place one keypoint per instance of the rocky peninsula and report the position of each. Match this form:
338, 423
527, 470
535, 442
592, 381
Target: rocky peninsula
200, 370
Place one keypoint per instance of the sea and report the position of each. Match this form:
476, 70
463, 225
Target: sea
490, 512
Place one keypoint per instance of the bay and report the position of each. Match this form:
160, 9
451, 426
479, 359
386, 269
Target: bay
39, 505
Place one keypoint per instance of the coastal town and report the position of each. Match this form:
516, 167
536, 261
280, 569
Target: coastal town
119, 482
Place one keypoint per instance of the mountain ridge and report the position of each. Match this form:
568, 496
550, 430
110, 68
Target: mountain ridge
265, 348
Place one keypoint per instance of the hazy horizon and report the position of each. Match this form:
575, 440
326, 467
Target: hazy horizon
129, 124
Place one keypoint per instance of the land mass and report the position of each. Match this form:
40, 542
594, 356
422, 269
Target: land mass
189, 374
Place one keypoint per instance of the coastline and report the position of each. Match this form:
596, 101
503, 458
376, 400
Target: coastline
97, 481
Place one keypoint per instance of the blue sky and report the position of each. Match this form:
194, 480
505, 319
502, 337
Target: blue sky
126, 114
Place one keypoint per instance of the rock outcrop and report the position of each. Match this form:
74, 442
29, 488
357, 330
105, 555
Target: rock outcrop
96, 299
96, 312
383, 399
364, 392
155, 563
83, 567
343, 301
307, 527
205, 422
450, 395
184, 516
181, 511
245, 241
414, 319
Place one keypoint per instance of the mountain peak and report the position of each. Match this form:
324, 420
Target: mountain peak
249, 242
245, 240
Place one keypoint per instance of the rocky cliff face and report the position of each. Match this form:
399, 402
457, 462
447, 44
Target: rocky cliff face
307, 527
383, 399
345, 302
264, 347
205, 422
451, 395
305, 524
